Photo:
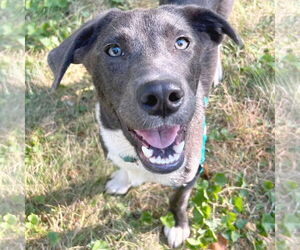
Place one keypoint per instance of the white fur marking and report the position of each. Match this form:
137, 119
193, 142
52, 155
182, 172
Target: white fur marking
176, 235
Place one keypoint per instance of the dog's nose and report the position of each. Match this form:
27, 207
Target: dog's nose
160, 98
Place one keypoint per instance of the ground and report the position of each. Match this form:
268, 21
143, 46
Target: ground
66, 207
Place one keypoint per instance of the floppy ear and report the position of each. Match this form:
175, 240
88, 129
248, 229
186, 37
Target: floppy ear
204, 20
75, 47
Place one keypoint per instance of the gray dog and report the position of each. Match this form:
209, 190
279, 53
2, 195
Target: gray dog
152, 70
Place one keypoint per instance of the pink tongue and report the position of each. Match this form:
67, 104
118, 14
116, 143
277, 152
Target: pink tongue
160, 137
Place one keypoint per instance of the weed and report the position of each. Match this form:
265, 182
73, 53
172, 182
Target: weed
46, 19
218, 210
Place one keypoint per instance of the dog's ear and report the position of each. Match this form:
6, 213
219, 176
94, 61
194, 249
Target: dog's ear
75, 47
204, 20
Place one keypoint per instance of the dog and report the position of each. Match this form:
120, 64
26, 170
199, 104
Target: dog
152, 70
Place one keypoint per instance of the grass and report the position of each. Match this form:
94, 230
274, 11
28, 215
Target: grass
66, 170
11, 150
287, 129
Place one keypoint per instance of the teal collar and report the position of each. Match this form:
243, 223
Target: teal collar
204, 139
128, 158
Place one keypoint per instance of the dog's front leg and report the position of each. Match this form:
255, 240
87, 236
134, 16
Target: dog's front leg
178, 206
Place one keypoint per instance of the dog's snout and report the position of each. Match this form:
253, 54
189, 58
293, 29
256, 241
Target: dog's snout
160, 98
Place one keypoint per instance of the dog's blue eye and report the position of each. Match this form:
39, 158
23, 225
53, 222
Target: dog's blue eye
182, 43
114, 50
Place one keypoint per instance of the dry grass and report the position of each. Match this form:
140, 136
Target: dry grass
12, 145
287, 157
66, 171
287, 123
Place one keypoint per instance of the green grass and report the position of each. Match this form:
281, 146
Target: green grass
66, 170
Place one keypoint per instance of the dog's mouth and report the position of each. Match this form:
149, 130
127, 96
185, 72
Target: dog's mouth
161, 149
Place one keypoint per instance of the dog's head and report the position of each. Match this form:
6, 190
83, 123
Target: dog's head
146, 66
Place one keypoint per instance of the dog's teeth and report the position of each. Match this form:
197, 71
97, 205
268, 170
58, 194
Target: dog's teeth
178, 148
158, 160
152, 159
176, 157
162, 161
148, 152
171, 158
167, 161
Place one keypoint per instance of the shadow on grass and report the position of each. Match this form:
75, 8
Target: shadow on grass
44, 106
40, 204
128, 228
51, 112
121, 231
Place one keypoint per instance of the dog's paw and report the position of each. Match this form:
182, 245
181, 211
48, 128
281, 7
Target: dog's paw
176, 235
118, 184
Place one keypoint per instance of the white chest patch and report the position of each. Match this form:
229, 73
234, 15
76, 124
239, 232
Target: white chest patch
119, 147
